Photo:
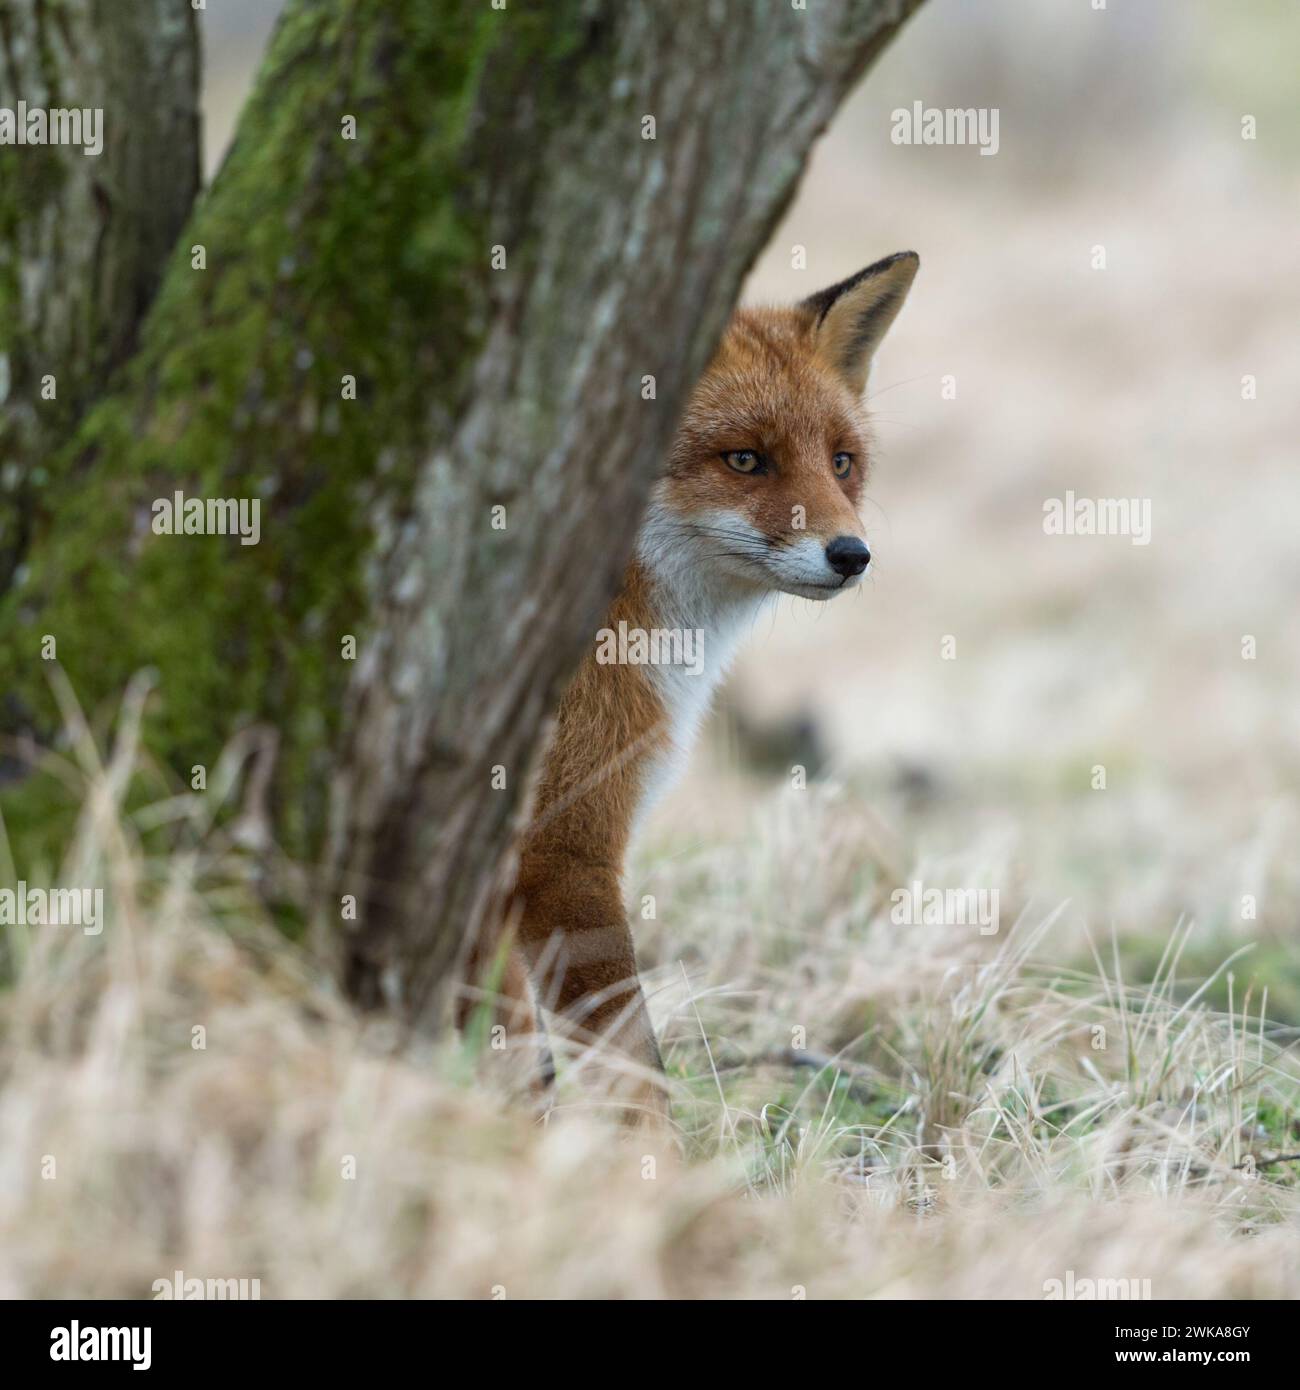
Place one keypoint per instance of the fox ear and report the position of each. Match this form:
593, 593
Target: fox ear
851, 318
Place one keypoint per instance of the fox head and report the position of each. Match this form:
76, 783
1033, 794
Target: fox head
766, 472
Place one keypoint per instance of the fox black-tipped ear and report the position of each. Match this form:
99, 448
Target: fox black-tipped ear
852, 317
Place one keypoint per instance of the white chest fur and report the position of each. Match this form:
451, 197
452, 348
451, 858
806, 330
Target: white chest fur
712, 612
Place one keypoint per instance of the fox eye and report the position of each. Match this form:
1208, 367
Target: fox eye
744, 461
842, 464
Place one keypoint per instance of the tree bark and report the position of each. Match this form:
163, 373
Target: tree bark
498, 261
83, 238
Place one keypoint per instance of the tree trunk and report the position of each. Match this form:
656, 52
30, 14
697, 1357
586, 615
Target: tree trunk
524, 287
83, 238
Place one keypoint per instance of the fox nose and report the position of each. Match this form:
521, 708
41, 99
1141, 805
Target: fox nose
847, 555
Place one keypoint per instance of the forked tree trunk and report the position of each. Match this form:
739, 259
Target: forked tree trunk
522, 261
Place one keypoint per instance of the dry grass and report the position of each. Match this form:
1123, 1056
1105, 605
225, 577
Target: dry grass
971, 1137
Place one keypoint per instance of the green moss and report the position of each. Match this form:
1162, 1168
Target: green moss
325, 257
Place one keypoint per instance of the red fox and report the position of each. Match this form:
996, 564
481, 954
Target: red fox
759, 497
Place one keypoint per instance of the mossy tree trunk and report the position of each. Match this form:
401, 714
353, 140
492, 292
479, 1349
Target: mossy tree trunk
451, 299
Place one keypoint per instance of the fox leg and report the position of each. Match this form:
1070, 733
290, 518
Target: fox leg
579, 947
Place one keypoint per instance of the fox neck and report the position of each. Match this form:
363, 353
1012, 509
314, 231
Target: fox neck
624, 730
683, 591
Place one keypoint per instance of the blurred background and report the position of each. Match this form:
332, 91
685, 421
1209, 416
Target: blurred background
1122, 129
1119, 128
